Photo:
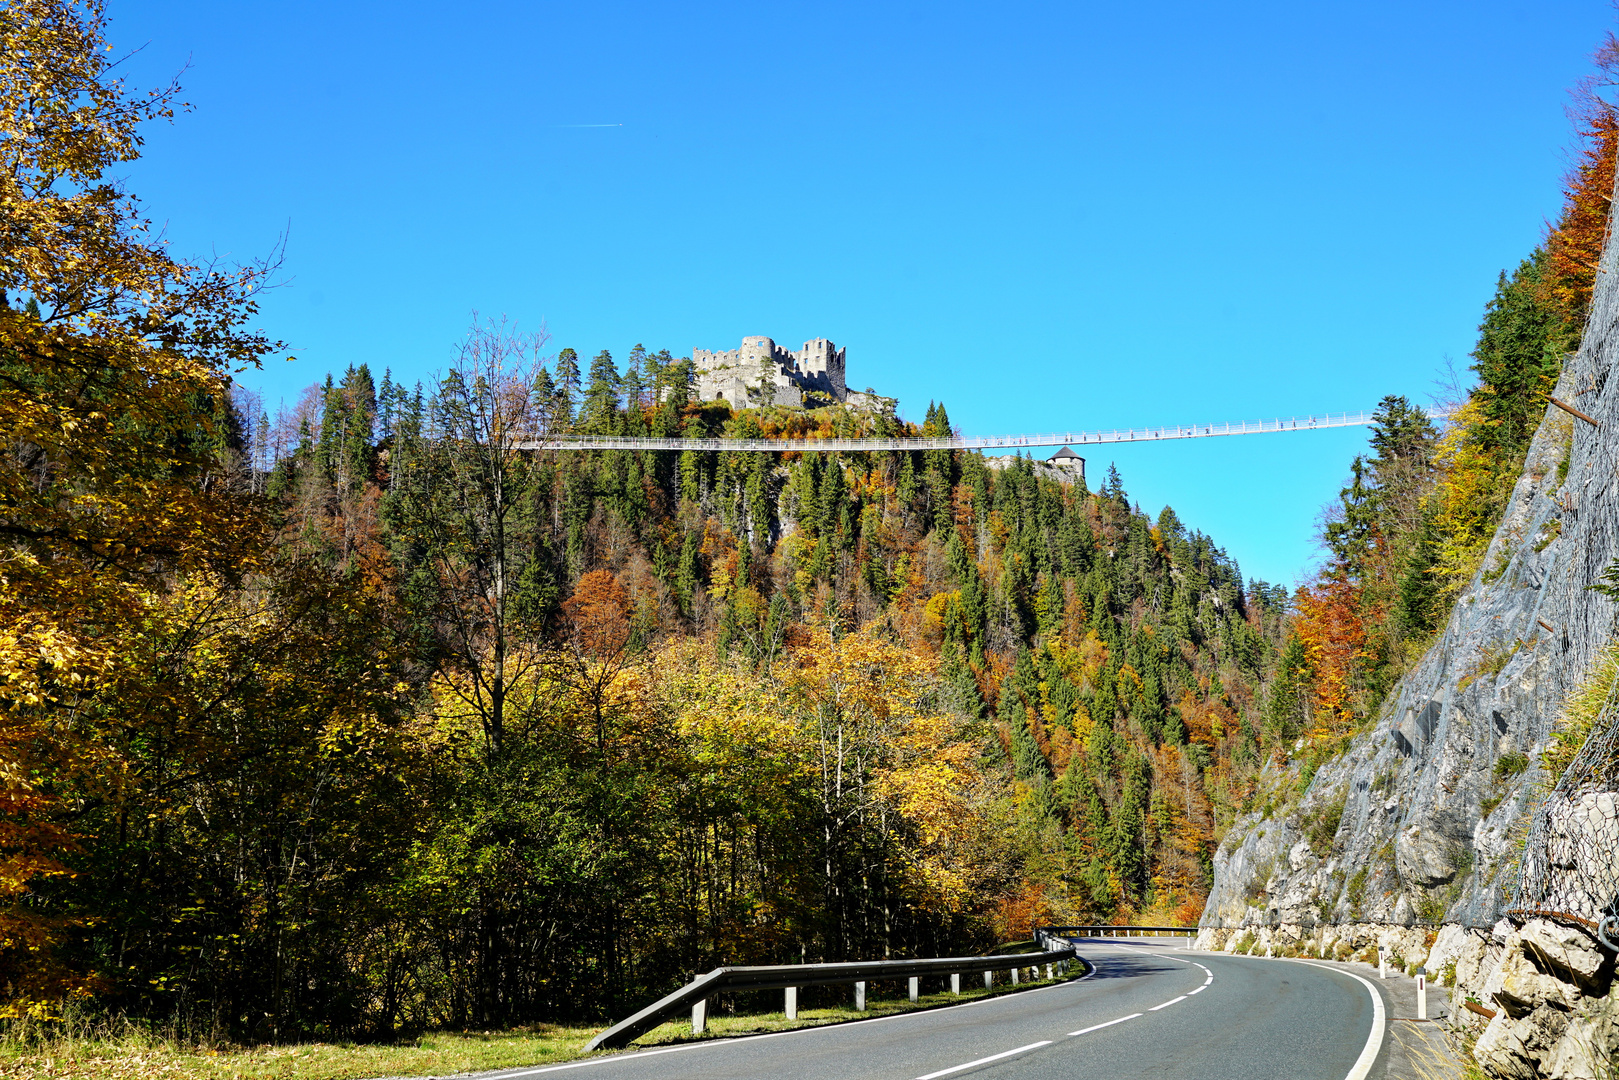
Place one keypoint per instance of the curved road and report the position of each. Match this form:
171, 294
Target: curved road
1147, 1010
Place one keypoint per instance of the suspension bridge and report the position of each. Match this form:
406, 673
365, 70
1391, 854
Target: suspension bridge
959, 442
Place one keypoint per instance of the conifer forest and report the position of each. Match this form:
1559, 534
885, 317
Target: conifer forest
348, 719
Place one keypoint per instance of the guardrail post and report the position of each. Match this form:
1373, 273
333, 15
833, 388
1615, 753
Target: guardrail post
989, 979
1014, 976
859, 997
955, 984
915, 987
791, 1007
699, 1017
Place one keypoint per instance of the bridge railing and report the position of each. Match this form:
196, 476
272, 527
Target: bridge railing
1041, 933
547, 441
696, 994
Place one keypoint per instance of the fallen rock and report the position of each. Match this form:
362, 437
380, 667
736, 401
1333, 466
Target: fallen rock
1512, 1046
1519, 987
1567, 953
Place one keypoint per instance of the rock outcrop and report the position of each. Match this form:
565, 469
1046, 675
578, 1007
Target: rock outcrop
1411, 839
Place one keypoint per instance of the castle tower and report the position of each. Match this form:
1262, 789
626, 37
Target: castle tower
735, 375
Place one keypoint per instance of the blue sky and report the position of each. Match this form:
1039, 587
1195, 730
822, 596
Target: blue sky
1050, 217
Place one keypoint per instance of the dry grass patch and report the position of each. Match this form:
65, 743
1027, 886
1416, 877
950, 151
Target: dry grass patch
136, 1055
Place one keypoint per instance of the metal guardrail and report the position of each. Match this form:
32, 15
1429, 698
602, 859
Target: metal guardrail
695, 994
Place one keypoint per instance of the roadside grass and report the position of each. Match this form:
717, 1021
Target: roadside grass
88, 1053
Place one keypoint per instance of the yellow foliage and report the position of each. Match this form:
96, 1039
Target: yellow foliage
1474, 485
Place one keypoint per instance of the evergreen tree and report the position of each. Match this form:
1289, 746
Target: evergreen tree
601, 395
1520, 349
567, 382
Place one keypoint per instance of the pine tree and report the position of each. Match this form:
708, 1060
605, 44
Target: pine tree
601, 395
567, 385
1520, 350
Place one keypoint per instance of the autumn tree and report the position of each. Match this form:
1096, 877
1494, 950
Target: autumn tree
115, 358
458, 493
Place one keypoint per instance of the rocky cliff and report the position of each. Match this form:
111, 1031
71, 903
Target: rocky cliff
1412, 839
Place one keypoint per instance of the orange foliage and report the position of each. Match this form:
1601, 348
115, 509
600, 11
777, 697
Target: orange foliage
1575, 245
1021, 908
1334, 636
598, 614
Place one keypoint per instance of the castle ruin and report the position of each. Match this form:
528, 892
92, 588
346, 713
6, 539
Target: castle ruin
764, 373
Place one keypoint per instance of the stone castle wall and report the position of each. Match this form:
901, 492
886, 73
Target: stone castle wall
788, 376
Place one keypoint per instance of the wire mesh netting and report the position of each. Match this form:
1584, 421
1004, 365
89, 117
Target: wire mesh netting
1570, 868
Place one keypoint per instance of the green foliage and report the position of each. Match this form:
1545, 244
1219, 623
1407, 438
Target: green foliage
1608, 582
1490, 663
1356, 893
1510, 764
1258, 879
1522, 341
1321, 825
1550, 532
1585, 705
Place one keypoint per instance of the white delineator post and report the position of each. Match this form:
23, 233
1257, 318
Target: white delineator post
859, 997
916, 985
1382, 963
955, 984
1422, 994
989, 979
699, 1017
1015, 976
791, 1008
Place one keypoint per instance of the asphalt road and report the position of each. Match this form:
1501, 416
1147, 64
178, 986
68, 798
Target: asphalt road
1149, 1009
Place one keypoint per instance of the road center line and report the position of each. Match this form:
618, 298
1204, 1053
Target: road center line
1167, 1004
1099, 1027
1199, 990
985, 1061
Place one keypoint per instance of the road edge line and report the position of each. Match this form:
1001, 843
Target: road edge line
1374, 1041
516, 1071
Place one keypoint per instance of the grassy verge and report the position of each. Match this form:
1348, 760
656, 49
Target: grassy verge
135, 1055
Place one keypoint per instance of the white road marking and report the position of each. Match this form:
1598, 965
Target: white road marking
1167, 1004
1374, 1039
635, 1054
1099, 1027
1199, 990
984, 1061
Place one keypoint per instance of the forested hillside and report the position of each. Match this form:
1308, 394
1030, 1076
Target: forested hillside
649, 712
354, 720
358, 721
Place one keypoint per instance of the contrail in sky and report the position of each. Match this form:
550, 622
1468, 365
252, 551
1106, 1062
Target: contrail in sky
588, 125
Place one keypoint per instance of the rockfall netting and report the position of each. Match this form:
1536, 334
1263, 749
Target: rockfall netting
1570, 868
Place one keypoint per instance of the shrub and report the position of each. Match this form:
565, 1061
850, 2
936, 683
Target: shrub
1510, 764
1580, 711
1357, 892
1261, 877
1321, 826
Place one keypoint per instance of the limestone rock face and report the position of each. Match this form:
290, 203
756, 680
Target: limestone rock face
1519, 985
1427, 857
1437, 790
1513, 1047
1566, 953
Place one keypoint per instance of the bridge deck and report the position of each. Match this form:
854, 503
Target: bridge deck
981, 442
